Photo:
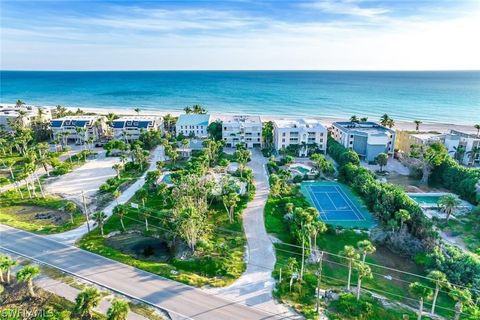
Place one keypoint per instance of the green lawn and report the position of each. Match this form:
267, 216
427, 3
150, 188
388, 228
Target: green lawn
391, 284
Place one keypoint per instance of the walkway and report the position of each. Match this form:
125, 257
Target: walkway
180, 300
71, 236
254, 287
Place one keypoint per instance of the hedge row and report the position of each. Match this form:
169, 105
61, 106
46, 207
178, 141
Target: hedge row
457, 178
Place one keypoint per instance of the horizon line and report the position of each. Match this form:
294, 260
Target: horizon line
244, 70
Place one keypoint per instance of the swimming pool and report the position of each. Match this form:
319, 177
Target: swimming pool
300, 169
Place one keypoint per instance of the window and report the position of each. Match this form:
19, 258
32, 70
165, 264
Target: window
283, 134
321, 134
283, 140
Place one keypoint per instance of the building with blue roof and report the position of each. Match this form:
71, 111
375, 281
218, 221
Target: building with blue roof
79, 129
130, 128
193, 125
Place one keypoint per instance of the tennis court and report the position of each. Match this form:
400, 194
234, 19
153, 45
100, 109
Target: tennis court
337, 205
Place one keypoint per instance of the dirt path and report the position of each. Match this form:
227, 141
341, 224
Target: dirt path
254, 287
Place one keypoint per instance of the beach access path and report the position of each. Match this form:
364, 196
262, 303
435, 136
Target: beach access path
179, 300
71, 236
254, 287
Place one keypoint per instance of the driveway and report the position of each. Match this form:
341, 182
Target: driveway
254, 287
179, 300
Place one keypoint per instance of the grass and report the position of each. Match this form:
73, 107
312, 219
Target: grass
466, 227
391, 284
218, 261
20, 213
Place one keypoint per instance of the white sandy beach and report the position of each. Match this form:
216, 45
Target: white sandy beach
327, 121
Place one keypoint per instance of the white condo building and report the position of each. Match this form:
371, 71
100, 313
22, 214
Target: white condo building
307, 133
246, 130
79, 129
468, 143
193, 125
130, 128
24, 115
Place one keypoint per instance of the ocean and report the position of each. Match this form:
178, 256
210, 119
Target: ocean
444, 97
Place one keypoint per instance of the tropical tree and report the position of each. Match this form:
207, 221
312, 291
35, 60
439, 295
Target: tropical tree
198, 109
120, 211
142, 194
118, 310
242, 156
462, 297
365, 247
402, 215
184, 143
364, 271
292, 267
477, 126
417, 125
421, 292
192, 226
459, 152
86, 301
27, 274
187, 110
323, 166
100, 217
267, 133
9, 163
473, 154
440, 280
116, 194
230, 201
6, 264
145, 214
431, 156
71, 208
363, 119
354, 119
448, 203
382, 160
351, 255
137, 110
384, 120
117, 167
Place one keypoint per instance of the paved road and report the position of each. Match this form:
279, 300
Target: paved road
181, 301
73, 235
254, 287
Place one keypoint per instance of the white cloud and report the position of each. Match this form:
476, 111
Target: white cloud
345, 7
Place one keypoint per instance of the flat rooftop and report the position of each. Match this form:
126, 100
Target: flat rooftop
298, 123
242, 119
363, 127
193, 120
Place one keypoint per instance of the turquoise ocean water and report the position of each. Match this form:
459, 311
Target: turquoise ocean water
451, 97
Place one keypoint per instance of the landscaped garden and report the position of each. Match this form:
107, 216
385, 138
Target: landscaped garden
400, 264
190, 232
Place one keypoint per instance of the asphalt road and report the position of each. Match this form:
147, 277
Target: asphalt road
181, 301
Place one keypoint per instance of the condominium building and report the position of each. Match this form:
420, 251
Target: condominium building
405, 139
465, 147
193, 125
24, 115
303, 135
79, 129
246, 130
368, 139
130, 128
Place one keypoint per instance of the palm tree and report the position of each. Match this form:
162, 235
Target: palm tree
382, 160
117, 168
365, 247
118, 310
458, 152
421, 292
6, 264
242, 156
100, 217
184, 144
462, 297
198, 109
364, 271
86, 301
448, 203
350, 254
9, 163
187, 110
230, 201
71, 208
145, 215
363, 119
402, 215
292, 266
384, 120
477, 126
27, 274
142, 195
390, 123
473, 154
116, 194
417, 125
354, 119
137, 110
19, 103
120, 211
440, 280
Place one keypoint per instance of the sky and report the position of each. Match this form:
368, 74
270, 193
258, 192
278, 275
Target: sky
240, 35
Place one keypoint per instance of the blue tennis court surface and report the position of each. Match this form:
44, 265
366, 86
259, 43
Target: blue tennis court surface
337, 205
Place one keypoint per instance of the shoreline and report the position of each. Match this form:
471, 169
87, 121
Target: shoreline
327, 121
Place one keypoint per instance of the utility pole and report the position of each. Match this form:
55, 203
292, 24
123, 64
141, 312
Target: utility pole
319, 280
86, 211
